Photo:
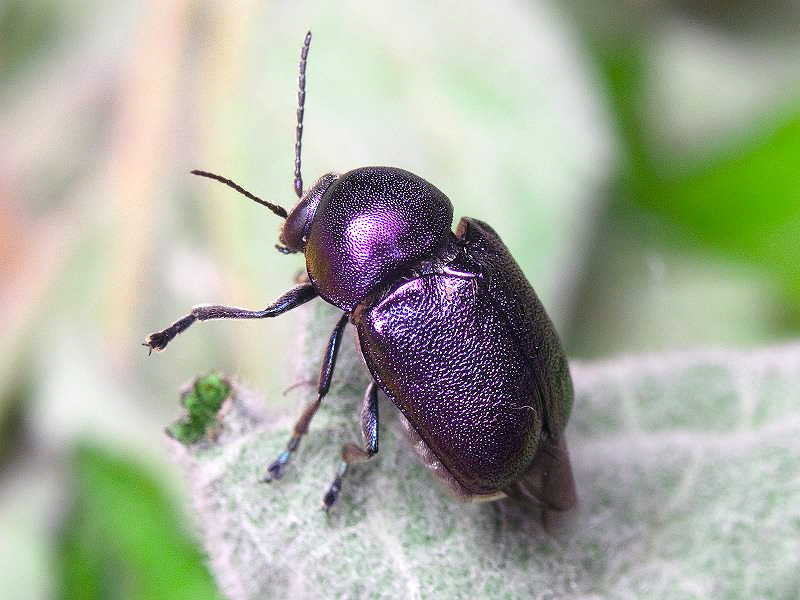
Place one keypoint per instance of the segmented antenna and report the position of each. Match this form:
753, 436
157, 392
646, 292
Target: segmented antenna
301, 100
278, 210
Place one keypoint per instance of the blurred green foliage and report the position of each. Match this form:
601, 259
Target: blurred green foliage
24, 28
742, 200
122, 538
734, 205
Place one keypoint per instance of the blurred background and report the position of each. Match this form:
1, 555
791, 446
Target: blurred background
639, 157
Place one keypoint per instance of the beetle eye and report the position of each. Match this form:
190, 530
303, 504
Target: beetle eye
294, 230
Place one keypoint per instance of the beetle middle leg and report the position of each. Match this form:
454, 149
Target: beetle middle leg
276, 469
351, 453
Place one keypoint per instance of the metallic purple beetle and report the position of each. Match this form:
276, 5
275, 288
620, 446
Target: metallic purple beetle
447, 324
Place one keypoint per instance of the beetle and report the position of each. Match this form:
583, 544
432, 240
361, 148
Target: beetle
446, 323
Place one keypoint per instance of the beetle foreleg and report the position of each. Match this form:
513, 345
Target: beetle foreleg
351, 453
275, 470
204, 312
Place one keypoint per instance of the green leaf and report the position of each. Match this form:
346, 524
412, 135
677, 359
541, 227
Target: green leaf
745, 201
122, 539
686, 466
202, 401
742, 199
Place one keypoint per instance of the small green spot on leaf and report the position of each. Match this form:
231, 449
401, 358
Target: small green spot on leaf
202, 403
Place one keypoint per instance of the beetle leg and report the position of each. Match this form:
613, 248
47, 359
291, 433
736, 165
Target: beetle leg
284, 249
275, 470
351, 453
204, 312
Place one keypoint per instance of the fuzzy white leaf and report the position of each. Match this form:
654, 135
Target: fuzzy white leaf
686, 466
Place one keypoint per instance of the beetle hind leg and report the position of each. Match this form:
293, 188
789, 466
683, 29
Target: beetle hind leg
351, 453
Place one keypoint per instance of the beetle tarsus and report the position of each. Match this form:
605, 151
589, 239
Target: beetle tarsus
276, 469
332, 495
158, 340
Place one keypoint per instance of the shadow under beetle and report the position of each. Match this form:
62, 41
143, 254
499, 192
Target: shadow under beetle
447, 324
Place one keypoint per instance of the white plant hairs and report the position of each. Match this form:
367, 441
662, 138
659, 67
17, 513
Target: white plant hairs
687, 474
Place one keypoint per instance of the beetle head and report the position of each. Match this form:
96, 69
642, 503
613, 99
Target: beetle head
295, 229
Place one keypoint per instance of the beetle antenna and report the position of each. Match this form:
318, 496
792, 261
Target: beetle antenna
301, 101
278, 210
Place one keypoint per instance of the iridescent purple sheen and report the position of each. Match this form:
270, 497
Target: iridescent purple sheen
471, 360
369, 224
